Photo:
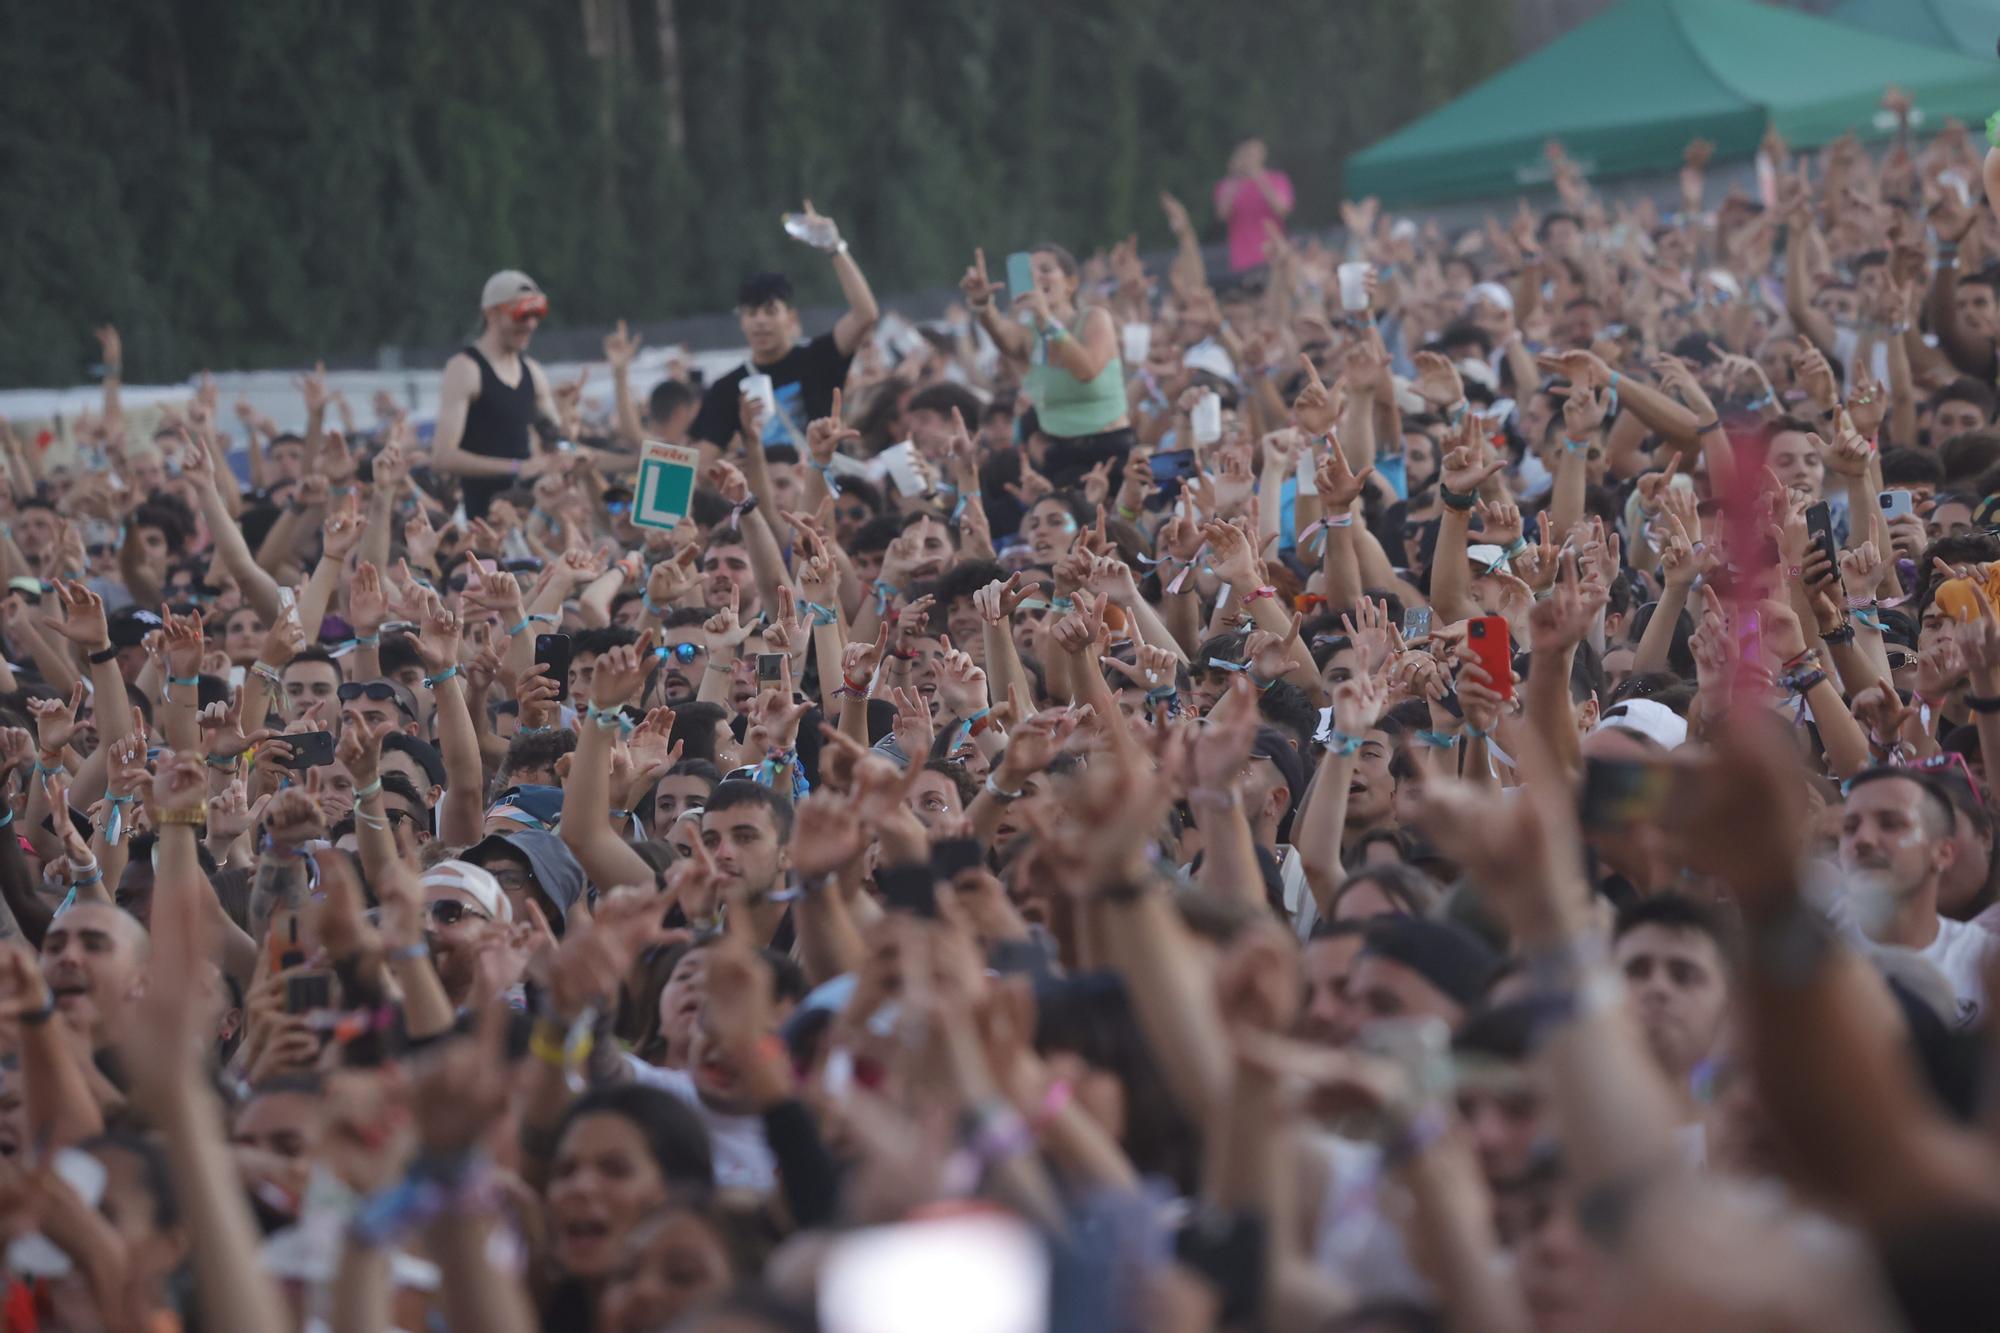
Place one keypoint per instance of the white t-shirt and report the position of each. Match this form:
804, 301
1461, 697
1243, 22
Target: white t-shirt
1958, 953
1961, 951
742, 1155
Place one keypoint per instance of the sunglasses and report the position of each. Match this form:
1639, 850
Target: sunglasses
380, 691
533, 306
683, 653
450, 911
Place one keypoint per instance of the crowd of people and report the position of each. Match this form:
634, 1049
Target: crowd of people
1430, 781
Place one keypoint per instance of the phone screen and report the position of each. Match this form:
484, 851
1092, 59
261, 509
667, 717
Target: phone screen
553, 650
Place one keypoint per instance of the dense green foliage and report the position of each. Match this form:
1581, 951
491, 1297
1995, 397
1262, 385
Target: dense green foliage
242, 184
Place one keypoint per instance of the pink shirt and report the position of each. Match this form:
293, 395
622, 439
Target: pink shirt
1246, 215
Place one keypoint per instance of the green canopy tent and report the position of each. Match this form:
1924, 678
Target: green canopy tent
1970, 26
1628, 90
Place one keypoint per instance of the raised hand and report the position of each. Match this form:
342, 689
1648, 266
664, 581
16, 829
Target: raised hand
1339, 485
367, 603
621, 347
341, 532
360, 748
622, 673
83, 619
222, 734
977, 287
1437, 381
961, 683
55, 720
1316, 409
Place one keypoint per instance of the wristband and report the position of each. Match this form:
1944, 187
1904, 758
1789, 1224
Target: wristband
821, 615
8, 818
449, 673
1972, 701
609, 719
538, 617
96, 876
1575, 446
348, 646
191, 817
372, 789
225, 762
34, 1018
1266, 591
114, 822
1342, 744
1838, 637
408, 953
183, 680
1453, 500
103, 655
268, 672
994, 790
1715, 424
1759, 403
1437, 740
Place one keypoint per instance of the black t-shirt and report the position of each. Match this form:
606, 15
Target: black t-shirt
802, 381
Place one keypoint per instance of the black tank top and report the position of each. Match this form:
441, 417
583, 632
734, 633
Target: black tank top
497, 425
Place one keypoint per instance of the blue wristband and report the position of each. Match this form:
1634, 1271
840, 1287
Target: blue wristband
449, 673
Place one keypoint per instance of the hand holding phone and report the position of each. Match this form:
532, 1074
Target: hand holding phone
554, 652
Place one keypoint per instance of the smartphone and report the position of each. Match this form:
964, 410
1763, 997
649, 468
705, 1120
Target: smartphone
553, 651
770, 669
309, 992
908, 889
1174, 465
1618, 793
1819, 526
950, 856
1020, 274
310, 749
1487, 637
1896, 504
1416, 623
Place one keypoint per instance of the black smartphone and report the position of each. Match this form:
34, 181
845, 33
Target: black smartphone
949, 856
553, 651
310, 749
908, 889
306, 993
770, 670
1819, 526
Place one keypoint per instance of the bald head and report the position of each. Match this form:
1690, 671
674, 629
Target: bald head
93, 957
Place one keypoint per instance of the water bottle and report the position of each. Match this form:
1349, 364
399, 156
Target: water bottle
818, 232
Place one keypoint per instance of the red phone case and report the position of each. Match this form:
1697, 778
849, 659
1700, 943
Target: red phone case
1487, 637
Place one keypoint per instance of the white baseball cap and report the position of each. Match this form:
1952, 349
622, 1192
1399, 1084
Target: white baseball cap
475, 881
506, 287
1650, 718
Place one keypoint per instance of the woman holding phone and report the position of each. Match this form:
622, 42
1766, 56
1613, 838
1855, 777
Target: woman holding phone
1075, 377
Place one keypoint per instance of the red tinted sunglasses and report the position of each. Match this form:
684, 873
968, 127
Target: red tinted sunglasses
532, 306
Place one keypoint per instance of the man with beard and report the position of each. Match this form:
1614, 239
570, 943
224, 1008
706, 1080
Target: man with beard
683, 655
1896, 845
747, 829
1673, 954
461, 903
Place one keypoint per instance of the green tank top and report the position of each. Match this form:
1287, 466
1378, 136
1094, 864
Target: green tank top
1068, 407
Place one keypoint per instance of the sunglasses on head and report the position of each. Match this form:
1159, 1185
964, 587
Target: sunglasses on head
450, 911
380, 691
